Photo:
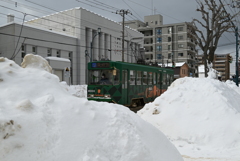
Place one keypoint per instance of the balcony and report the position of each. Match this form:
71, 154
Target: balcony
220, 69
148, 52
148, 36
191, 41
147, 44
192, 49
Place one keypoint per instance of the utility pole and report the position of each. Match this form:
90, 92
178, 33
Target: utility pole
236, 32
123, 12
237, 46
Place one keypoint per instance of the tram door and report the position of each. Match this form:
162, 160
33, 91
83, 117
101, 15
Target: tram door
124, 87
159, 82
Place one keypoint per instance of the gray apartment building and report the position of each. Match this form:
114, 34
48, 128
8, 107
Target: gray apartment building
167, 43
68, 35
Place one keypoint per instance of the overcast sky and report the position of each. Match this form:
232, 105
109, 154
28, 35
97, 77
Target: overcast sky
173, 11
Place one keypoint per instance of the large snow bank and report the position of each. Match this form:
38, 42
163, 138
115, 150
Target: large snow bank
40, 120
200, 116
76, 90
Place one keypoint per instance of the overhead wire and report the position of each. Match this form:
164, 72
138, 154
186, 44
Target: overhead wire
156, 10
14, 54
102, 4
68, 15
53, 20
95, 6
231, 10
32, 14
23, 5
59, 12
61, 43
89, 37
133, 10
223, 35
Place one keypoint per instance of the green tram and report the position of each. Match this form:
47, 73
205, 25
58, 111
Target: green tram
124, 83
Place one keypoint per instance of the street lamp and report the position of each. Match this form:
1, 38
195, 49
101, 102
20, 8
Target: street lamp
98, 33
86, 54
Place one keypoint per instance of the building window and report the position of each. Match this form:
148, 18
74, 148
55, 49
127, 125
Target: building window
49, 52
169, 39
169, 30
23, 47
180, 28
180, 37
70, 56
158, 31
169, 47
156, 23
58, 53
159, 39
180, 54
159, 48
169, 56
34, 49
23, 52
180, 45
159, 56
146, 23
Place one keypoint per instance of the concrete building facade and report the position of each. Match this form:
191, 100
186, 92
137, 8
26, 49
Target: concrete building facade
74, 30
167, 43
84, 25
16, 41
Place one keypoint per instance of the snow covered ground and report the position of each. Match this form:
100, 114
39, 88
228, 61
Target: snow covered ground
40, 120
200, 116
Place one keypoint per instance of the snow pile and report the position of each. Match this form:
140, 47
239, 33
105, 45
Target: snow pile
35, 61
200, 116
40, 120
76, 90
212, 74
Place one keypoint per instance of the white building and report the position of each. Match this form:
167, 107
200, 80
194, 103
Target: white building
68, 34
38, 41
84, 25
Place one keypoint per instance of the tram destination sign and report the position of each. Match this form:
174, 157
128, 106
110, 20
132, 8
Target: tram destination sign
100, 65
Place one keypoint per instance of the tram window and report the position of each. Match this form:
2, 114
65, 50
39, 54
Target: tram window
145, 81
124, 79
103, 77
154, 78
132, 77
94, 76
168, 79
164, 79
116, 76
139, 78
159, 81
171, 79
150, 78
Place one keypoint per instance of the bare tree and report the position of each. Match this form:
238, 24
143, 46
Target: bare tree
215, 21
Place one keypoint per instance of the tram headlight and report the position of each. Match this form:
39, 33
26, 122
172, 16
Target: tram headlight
91, 95
107, 96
